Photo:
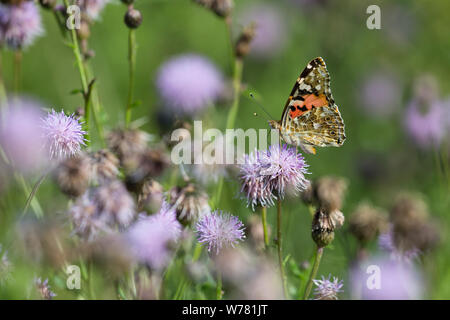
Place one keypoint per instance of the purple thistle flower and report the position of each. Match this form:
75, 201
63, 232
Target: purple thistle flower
327, 289
44, 289
219, 229
386, 243
167, 216
64, 134
21, 136
189, 83
20, 24
380, 93
285, 169
92, 8
387, 280
150, 238
426, 127
115, 204
270, 32
255, 185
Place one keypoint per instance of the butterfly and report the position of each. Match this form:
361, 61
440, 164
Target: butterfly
310, 117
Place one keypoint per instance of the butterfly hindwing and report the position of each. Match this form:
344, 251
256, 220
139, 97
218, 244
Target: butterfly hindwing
310, 117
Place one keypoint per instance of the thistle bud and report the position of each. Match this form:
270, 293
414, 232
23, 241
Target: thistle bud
242, 48
222, 8
322, 229
133, 18
84, 32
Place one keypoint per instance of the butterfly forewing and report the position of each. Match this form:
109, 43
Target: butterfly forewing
310, 117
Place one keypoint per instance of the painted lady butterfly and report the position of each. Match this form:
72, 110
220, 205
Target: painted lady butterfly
310, 117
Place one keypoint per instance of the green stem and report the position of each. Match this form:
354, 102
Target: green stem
313, 273
132, 65
3, 96
96, 107
197, 252
280, 254
219, 292
264, 223
17, 70
33, 192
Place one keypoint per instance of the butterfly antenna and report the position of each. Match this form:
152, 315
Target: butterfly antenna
260, 105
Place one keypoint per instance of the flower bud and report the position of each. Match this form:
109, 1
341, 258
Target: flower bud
133, 18
243, 43
322, 229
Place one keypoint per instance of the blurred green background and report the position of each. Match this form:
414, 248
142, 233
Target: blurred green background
413, 41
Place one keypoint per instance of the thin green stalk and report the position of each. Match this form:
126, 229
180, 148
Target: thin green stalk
17, 70
96, 106
82, 71
280, 254
264, 223
33, 192
3, 96
219, 292
313, 273
197, 252
34, 203
132, 66
232, 114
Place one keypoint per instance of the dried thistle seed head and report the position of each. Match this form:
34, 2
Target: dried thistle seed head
133, 18
140, 168
222, 8
337, 218
151, 196
190, 203
242, 47
322, 229
104, 166
127, 143
73, 175
367, 222
329, 192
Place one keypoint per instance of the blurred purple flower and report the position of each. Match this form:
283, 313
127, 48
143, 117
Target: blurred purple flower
219, 230
86, 221
44, 289
92, 8
426, 127
270, 32
386, 243
167, 217
20, 24
285, 169
64, 134
381, 93
115, 204
150, 239
382, 278
327, 289
21, 136
188, 83
255, 185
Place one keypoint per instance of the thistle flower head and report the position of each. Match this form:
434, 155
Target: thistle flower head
285, 169
255, 184
190, 202
167, 217
115, 204
219, 229
73, 175
63, 133
327, 289
44, 289
92, 8
20, 24
189, 83
150, 238
104, 165
387, 244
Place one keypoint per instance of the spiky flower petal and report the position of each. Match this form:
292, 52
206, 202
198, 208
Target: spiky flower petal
64, 134
327, 289
219, 229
